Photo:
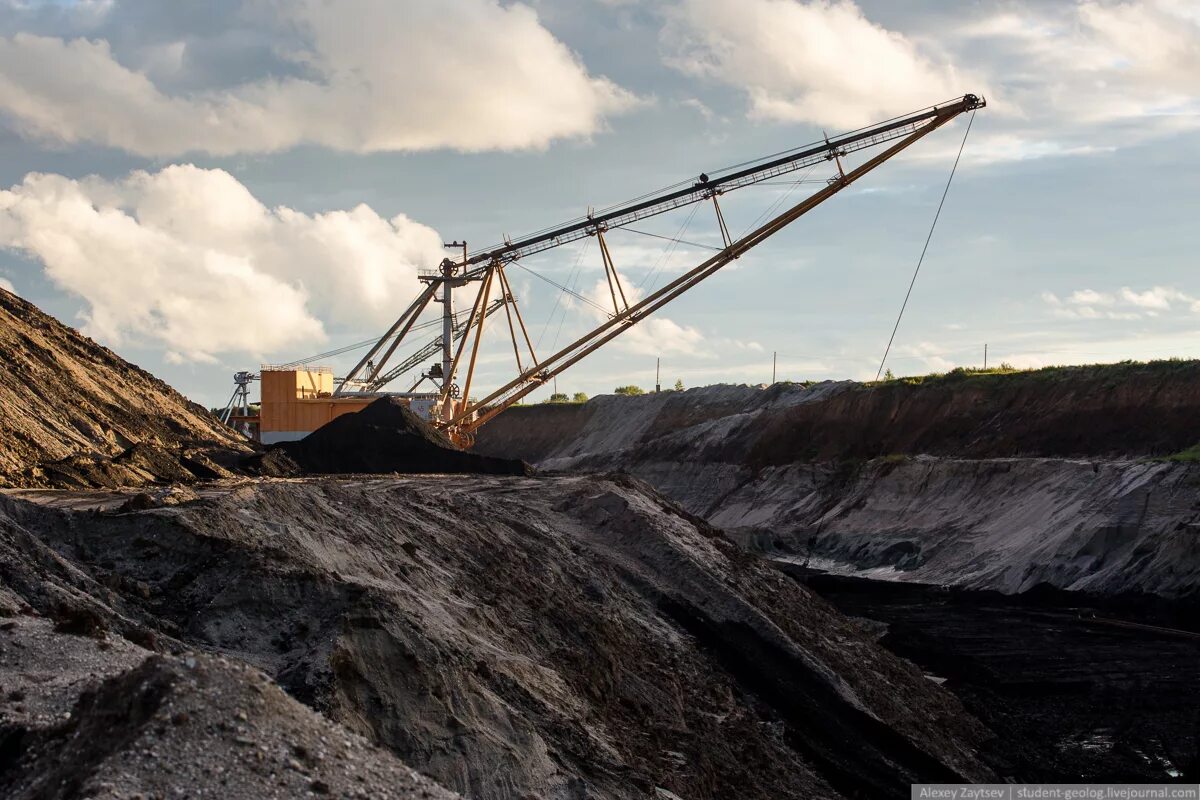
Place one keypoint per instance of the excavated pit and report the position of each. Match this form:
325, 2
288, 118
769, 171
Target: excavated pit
166, 623
1001, 482
1020, 537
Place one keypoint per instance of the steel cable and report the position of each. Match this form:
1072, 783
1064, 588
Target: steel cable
925, 249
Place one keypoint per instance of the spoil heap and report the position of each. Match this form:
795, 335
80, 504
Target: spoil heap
75, 414
384, 437
96, 716
510, 637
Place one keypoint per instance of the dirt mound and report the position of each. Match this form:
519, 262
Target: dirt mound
511, 637
162, 725
384, 437
75, 414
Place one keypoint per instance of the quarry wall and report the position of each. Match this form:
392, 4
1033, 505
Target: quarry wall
999, 482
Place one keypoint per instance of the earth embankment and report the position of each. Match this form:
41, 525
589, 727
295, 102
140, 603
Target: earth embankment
990, 481
561, 637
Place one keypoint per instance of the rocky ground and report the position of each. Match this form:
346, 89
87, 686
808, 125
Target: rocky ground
93, 715
1007, 488
171, 627
509, 637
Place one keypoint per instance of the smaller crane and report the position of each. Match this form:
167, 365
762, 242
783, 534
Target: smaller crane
236, 413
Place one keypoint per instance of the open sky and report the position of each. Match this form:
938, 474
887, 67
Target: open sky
206, 185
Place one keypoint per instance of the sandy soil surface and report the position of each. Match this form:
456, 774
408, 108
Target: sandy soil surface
75, 414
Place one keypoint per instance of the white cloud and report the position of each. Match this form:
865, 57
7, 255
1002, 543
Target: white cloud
1158, 298
699, 107
1153, 44
654, 335
1090, 297
471, 75
1123, 304
1078, 79
822, 62
1085, 78
7, 286
189, 258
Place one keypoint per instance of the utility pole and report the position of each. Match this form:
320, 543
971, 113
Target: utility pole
985, 356
657, 374
774, 360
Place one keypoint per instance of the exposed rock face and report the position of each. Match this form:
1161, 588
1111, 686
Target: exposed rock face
76, 414
510, 637
827, 472
1109, 411
1106, 527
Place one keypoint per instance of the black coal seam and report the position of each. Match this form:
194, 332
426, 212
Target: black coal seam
857, 754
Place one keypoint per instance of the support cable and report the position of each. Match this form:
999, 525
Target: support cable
558, 285
573, 282
669, 239
360, 345
572, 278
783, 196
669, 251
924, 249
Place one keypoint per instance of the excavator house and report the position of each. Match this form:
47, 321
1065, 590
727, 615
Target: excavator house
298, 398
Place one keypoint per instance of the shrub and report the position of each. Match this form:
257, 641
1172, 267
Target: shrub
629, 391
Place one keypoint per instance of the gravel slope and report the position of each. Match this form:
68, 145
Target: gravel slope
96, 716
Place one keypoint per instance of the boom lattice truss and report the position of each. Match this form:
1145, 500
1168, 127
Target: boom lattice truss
460, 415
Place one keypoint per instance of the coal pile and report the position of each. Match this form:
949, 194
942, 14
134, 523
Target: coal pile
386, 436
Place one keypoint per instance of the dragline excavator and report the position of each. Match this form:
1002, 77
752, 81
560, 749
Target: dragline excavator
453, 409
